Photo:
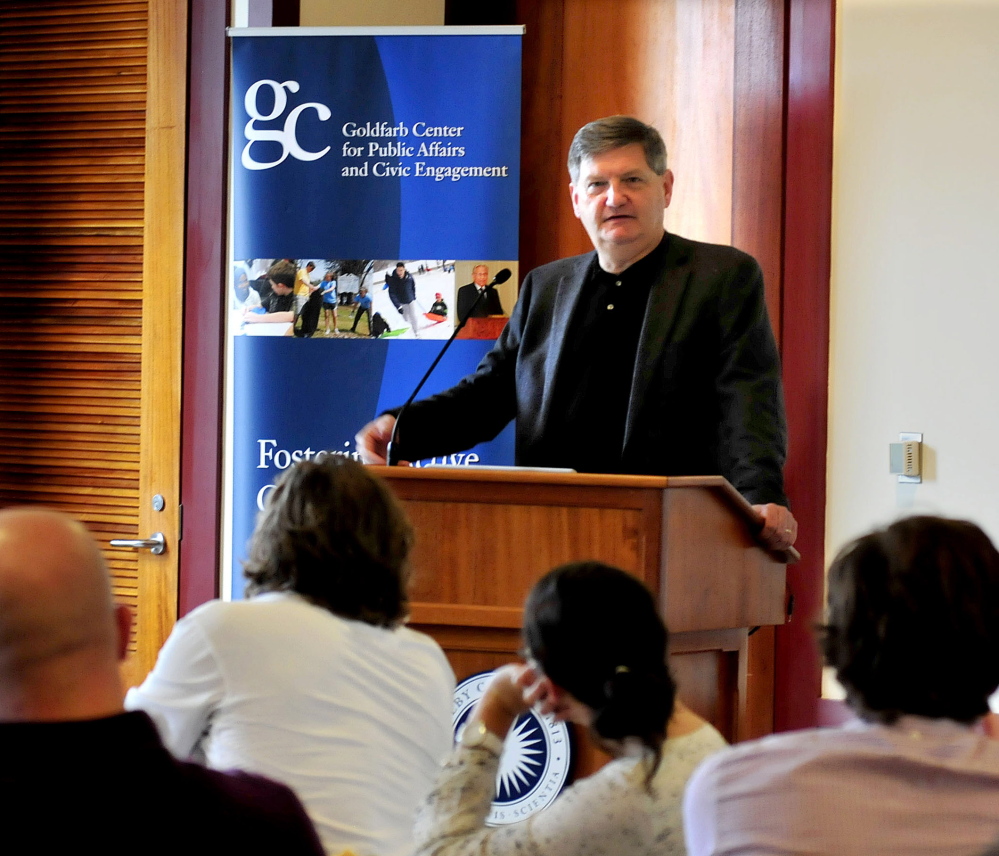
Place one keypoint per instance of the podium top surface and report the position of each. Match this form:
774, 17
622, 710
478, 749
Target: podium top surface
527, 476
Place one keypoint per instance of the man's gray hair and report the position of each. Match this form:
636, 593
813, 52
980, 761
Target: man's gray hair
612, 132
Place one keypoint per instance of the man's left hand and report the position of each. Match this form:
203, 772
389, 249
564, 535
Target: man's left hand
780, 529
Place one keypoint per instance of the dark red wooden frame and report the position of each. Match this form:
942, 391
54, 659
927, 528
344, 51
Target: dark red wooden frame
204, 300
804, 319
810, 33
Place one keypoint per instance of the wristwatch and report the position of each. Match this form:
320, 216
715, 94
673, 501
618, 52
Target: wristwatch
475, 735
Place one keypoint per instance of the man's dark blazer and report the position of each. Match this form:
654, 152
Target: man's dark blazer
489, 305
706, 393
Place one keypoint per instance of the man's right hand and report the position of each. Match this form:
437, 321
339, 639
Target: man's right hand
373, 439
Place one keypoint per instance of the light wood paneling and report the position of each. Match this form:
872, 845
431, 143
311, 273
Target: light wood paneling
668, 62
698, 113
758, 141
163, 299
88, 415
709, 74
72, 96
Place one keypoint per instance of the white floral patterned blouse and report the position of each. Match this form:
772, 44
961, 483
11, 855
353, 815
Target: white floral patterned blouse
609, 813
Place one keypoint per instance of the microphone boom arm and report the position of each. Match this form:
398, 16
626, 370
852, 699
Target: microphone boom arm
391, 454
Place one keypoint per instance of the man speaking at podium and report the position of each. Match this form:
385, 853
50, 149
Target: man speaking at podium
652, 355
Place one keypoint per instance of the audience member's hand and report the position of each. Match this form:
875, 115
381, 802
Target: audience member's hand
373, 439
505, 698
540, 693
780, 529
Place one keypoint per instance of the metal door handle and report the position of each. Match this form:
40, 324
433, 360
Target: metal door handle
155, 544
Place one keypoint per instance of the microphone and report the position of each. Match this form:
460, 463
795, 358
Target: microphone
391, 457
500, 277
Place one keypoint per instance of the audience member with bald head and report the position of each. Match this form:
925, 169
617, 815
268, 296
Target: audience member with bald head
77, 770
61, 636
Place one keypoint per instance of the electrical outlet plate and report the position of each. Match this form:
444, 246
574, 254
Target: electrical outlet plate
906, 436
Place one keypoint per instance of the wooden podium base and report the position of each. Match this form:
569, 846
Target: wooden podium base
484, 536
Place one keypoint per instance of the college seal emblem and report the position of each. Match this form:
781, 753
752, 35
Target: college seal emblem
536, 759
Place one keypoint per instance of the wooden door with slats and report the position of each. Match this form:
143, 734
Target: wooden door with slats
92, 131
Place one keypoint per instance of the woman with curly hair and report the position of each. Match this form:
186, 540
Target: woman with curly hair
313, 680
596, 656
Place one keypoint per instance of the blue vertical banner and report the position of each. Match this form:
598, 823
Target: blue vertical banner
375, 174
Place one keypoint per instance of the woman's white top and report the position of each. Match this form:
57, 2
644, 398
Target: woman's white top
356, 719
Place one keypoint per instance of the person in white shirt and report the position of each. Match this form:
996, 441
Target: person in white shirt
913, 633
313, 681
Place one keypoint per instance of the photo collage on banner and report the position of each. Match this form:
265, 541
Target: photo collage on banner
374, 189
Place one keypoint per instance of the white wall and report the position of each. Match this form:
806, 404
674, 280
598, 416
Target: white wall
915, 288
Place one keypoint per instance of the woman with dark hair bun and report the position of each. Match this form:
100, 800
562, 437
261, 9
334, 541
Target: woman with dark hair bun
313, 680
596, 656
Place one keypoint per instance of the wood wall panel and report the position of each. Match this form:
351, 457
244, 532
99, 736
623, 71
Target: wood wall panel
72, 147
669, 62
544, 193
805, 326
758, 142
708, 74
91, 230
697, 116
201, 432
163, 298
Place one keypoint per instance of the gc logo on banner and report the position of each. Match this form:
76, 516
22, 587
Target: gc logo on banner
355, 150
286, 137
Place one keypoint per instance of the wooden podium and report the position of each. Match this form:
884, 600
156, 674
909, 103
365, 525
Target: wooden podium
488, 327
484, 536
